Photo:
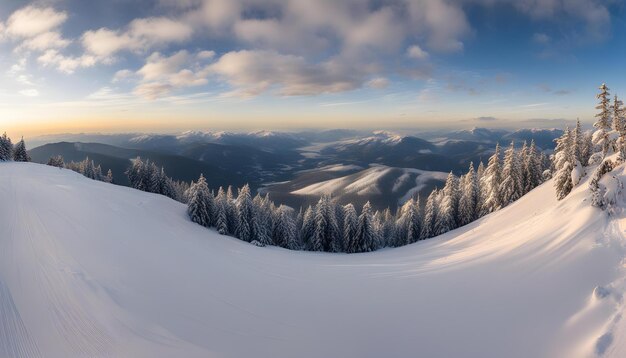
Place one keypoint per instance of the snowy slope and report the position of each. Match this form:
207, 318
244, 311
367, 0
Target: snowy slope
89, 269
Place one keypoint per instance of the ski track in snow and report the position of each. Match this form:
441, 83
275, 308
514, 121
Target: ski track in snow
15, 340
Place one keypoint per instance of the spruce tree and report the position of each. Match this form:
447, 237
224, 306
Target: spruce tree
56, 161
492, 180
19, 152
430, 216
284, 233
6, 148
350, 224
532, 168
245, 211
511, 186
308, 227
326, 230
411, 222
197, 208
364, 241
469, 205
563, 164
221, 213
603, 123
450, 203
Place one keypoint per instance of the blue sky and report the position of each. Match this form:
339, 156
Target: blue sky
165, 65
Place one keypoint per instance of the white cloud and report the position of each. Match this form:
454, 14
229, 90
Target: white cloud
378, 83
122, 75
254, 72
44, 41
141, 35
416, 52
206, 55
29, 92
66, 64
153, 90
163, 74
32, 20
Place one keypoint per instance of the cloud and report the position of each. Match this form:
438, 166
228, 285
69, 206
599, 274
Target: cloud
206, 55
546, 88
29, 92
162, 74
141, 35
66, 64
44, 41
31, 21
416, 52
255, 72
122, 75
378, 83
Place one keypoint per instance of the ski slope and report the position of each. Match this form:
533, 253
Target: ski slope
89, 269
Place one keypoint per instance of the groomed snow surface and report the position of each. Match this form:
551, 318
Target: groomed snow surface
89, 269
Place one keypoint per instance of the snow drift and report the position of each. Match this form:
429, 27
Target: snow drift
93, 269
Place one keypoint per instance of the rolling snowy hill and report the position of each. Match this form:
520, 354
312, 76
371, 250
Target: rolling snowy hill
89, 269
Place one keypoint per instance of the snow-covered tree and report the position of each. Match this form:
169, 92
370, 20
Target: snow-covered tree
326, 230
109, 177
263, 220
221, 213
603, 123
6, 148
245, 212
56, 161
564, 162
199, 197
469, 204
511, 187
587, 149
308, 227
430, 216
532, 168
410, 223
284, 233
350, 224
492, 179
387, 232
577, 142
231, 210
449, 203
19, 152
365, 239
619, 125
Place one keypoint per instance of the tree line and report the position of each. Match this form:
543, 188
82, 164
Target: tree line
330, 227
577, 150
11, 152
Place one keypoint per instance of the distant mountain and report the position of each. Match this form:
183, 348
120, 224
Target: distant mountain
544, 138
382, 186
118, 160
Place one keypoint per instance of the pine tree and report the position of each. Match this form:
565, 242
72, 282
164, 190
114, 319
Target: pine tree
532, 168
326, 230
469, 205
563, 164
387, 235
109, 177
511, 186
587, 148
197, 208
492, 179
350, 224
19, 152
364, 241
284, 233
430, 216
411, 222
577, 142
56, 161
221, 213
245, 211
6, 148
308, 227
603, 124
231, 210
262, 220
450, 203
524, 174
619, 125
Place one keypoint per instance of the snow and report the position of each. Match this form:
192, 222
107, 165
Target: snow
93, 269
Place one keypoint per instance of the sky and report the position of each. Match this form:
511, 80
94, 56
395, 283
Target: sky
175, 65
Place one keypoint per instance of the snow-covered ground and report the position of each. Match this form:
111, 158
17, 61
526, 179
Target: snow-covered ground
89, 269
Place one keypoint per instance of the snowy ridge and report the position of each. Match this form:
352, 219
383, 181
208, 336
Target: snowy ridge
92, 269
